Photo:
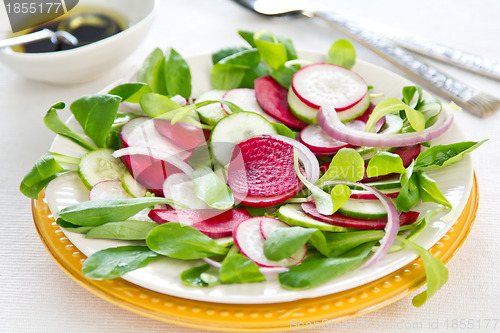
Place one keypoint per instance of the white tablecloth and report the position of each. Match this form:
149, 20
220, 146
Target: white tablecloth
37, 296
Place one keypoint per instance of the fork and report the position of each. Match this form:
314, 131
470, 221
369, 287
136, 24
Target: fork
470, 99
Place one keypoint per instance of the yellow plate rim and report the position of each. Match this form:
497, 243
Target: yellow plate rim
251, 317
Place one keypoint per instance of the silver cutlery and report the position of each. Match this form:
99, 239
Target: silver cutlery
478, 103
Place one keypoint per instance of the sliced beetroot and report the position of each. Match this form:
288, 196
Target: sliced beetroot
212, 222
149, 172
248, 238
273, 98
184, 135
407, 154
265, 168
343, 221
369, 196
268, 201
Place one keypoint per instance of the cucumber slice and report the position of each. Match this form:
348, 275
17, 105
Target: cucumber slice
363, 209
301, 110
292, 214
225, 241
211, 113
393, 124
132, 187
99, 165
234, 129
382, 185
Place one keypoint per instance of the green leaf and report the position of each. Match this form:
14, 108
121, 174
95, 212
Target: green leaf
409, 196
333, 244
318, 269
436, 271
323, 200
152, 72
226, 52
97, 212
342, 53
96, 114
429, 190
56, 125
197, 276
114, 262
272, 51
281, 243
284, 74
245, 59
384, 163
226, 77
211, 189
284, 130
72, 227
124, 230
131, 92
340, 194
177, 74
445, 155
347, 164
181, 241
416, 118
248, 37
237, 268
154, 105
386, 106
44, 170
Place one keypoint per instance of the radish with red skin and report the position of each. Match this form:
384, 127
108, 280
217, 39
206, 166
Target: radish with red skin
272, 97
329, 85
263, 202
141, 132
246, 100
343, 221
212, 222
267, 226
248, 238
183, 135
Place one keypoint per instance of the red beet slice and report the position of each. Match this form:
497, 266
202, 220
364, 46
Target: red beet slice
264, 169
149, 172
343, 221
212, 222
262, 202
184, 135
273, 99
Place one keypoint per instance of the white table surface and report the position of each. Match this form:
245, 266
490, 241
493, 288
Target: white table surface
37, 296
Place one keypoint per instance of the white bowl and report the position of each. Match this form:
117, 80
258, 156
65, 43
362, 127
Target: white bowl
87, 62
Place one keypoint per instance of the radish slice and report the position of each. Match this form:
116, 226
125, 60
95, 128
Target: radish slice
364, 195
179, 187
212, 222
108, 189
329, 121
391, 228
263, 270
323, 84
268, 225
183, 135
157, 155
249, 240
272, 97
141, 132
245, 99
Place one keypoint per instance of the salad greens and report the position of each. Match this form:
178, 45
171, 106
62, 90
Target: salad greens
165, 75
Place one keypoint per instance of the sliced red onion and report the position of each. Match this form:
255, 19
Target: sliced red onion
156, 154
391, 228
330, 123
309, 161
263, 270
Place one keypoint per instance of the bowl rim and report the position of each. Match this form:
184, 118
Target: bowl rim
8, 52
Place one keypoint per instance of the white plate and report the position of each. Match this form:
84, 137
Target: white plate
163, 275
